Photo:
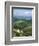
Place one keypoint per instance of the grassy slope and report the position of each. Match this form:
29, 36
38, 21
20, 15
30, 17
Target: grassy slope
24, 26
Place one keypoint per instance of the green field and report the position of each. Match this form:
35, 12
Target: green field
22, 27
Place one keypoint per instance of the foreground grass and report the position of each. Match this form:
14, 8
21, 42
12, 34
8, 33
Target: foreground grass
22, 28
24, 32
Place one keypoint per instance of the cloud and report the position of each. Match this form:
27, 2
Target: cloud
27, 13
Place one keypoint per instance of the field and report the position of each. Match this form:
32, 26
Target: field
21, 27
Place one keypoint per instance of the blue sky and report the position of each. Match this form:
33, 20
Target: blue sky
22, 12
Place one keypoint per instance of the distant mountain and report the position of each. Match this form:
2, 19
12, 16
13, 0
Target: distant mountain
23, 17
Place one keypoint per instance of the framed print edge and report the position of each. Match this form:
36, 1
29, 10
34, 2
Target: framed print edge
7, 22
33, 28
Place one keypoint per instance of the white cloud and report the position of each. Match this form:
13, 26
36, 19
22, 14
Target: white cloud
26, 12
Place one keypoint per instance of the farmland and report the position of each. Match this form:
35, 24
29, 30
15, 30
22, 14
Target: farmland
21, 27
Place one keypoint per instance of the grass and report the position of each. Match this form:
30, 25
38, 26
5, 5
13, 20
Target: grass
22, 28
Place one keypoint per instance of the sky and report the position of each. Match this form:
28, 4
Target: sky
22, 12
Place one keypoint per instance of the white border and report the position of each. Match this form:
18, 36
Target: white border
33, 25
